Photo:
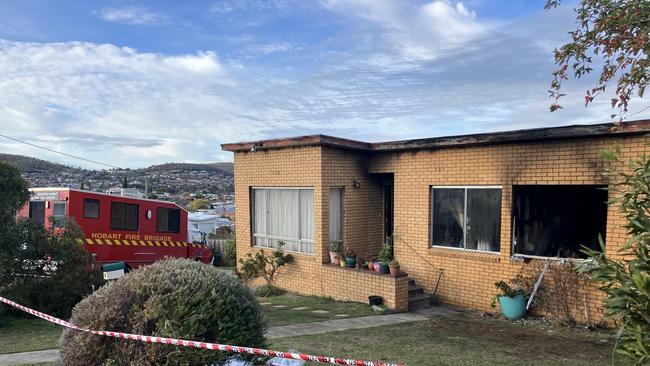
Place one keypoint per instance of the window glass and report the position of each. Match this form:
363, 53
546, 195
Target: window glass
91, 208
124, 216
448, 217
466, 218
336, 214
556, 221
58, 209
285, 215
168, 220
483, 219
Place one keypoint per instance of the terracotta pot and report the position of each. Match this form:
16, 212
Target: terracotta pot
394, 270
333, 256
371, 266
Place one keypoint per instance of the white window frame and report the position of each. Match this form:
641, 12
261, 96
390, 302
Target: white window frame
465, 188
268, 238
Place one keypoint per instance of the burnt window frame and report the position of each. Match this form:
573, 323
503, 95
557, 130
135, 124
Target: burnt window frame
515, 220
124, 205
158, 209
84, 208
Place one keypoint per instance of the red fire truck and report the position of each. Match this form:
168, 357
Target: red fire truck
116, 228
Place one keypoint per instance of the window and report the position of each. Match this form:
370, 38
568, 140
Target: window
124, 216
286, 215
466, 218
168, 220
91, 208
58, 213
555, 221
336, 215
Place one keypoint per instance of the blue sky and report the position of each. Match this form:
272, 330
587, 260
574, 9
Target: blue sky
133, 83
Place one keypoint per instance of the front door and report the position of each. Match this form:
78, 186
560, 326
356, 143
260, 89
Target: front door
37, 212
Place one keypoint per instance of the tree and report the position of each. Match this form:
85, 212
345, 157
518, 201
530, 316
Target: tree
264, 266
198, 204
617, 32
43, 268
14, 193
626, 278
125, 184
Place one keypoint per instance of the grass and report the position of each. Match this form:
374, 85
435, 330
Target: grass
460, 340
287, 315
23, 334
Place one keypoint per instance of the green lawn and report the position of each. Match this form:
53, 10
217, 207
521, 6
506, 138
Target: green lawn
460, 340
26, 333
287, 314
22, 334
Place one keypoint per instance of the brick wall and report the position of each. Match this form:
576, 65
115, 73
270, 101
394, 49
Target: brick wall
469, 277
321, 168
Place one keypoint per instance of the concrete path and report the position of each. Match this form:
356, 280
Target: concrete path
49, 355
336, 325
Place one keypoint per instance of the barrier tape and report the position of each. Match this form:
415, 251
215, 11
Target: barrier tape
202, 345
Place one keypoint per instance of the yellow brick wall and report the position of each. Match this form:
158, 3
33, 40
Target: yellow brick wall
321, 168
469, 277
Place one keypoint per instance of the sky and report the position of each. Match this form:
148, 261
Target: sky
136, 83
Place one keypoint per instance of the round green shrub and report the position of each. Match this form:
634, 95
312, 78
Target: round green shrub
176, 298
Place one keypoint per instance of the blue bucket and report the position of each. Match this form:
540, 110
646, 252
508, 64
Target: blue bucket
513, 308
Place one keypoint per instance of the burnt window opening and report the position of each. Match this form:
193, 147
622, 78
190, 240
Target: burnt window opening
556, 221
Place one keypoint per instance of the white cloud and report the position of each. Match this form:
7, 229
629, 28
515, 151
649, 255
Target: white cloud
134, 15
415, 32
117, 104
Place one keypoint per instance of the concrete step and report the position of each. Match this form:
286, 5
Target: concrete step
419, 302
415, 290
411, 282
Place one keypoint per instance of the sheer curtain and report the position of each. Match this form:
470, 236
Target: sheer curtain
284, 215
335, 219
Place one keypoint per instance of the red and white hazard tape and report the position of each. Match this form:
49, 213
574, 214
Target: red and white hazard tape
203, 345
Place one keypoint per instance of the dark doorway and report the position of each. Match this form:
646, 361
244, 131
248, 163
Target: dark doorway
37, 212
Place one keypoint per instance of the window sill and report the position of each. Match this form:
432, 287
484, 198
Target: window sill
493, 257
301, 254
527, 257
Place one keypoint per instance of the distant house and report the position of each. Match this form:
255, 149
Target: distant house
463, 212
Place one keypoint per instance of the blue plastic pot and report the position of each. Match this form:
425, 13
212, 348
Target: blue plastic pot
351, 261
513, 308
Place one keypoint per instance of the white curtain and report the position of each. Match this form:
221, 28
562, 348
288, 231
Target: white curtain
284, 215
283, 212
306, 214
259, 206
335, 210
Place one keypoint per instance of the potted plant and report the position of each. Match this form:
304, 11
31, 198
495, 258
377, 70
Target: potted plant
512, 301
371, 263
336, 249
384, 257
341, 261
350, 257
394, 268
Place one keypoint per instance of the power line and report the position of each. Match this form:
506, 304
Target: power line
59, 152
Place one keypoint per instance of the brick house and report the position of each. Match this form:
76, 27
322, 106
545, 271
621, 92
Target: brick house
468, 210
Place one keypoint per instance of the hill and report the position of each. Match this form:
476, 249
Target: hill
170, 178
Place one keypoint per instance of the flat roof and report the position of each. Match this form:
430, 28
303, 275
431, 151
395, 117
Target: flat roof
636, 127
